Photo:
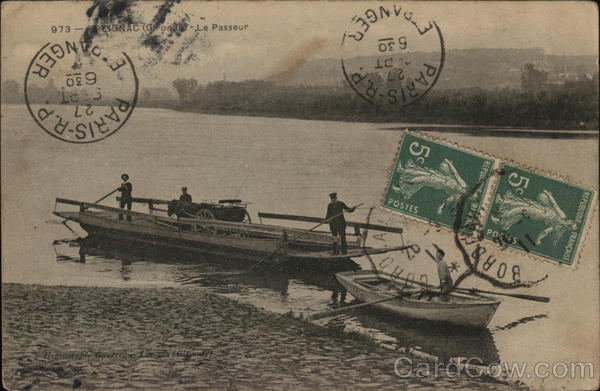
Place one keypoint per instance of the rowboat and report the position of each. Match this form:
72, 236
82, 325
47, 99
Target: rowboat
210, 235
417, 302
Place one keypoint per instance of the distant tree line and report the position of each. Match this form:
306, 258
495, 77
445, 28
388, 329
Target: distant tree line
537, 104
571, 105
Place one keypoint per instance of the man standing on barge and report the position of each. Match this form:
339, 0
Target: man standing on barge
126, 189
337, 224
185, 196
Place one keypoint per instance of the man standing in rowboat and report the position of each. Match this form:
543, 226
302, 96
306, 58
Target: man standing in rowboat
337, 224
443, 274
126, 189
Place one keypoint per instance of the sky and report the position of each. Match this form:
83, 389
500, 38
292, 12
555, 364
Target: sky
281, 34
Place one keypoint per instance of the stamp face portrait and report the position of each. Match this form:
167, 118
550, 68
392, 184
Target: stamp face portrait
537, 214
429, 179
79, 93
392, 56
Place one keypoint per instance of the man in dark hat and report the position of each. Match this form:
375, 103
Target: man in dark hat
185, 196
337, 224
126, 189
185, 204
443, 274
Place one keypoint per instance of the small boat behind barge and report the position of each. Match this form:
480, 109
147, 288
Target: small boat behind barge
418, 300
232, 239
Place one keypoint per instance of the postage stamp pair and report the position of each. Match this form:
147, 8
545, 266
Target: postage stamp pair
477, 194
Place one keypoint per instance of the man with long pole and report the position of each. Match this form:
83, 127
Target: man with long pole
337, 222
126, 189
287, 242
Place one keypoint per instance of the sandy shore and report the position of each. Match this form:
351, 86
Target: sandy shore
184, 339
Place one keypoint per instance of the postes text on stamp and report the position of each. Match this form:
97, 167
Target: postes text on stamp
538, 214
429, 179
78, 92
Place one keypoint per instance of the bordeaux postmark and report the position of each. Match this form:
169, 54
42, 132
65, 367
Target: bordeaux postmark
429, 179
78, 92
538, 214
392, 56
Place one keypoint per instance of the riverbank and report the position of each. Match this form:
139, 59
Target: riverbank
185, 339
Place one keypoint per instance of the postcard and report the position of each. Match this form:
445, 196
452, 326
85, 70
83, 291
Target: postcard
348, 195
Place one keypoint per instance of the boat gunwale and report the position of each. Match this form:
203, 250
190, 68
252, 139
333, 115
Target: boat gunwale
472, 300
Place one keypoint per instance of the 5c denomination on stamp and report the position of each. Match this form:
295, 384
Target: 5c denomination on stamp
391, 56
429, 179
538, 214
78, 93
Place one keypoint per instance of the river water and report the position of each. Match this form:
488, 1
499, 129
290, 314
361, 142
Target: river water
287, 166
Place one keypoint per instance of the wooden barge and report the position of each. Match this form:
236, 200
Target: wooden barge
232, 239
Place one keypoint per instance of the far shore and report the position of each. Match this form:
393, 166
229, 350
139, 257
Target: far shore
429, 126
482, 130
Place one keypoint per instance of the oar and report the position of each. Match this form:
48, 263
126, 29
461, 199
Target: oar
298, 236
541, 299
325, 314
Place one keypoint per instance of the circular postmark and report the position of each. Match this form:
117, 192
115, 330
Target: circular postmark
79, 93
391, 56
395, 263
467, 256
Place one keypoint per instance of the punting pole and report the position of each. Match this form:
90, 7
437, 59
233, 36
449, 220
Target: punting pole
101, 199
297, 237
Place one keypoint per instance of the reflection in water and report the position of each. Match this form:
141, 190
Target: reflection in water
124, 271
56, 245
521, 321
442, 340
303, 290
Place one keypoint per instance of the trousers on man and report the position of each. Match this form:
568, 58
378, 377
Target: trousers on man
446, 288
339, 230
125, 202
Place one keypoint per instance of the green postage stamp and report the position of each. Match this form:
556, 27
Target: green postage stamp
527, 211
429, 179
538, 214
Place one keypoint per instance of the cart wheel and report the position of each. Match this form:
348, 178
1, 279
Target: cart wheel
208, 215
205, 214
247, 218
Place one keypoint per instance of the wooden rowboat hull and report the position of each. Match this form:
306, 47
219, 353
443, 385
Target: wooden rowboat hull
461, 309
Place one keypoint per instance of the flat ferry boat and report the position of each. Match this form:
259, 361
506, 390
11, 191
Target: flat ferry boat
221, 228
